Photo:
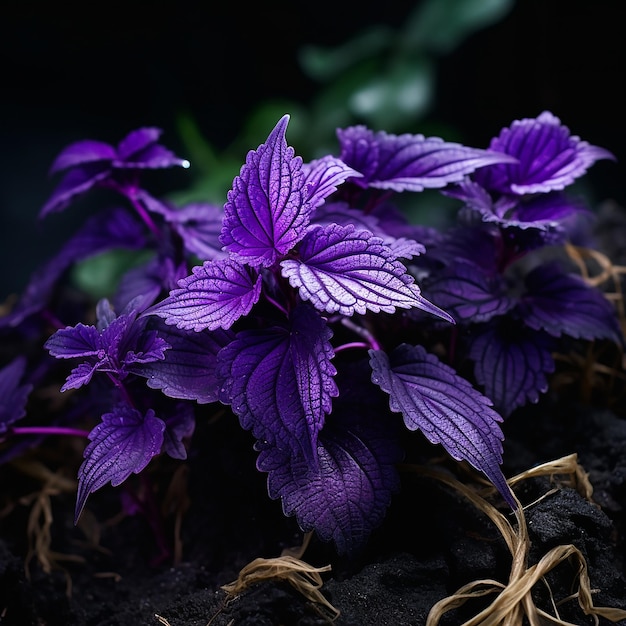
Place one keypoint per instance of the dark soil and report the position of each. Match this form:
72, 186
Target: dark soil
432, 542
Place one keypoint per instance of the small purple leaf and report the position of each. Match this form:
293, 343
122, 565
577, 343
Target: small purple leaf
13, 395
215, 296
267, 210
123, 443
82, 152
433, 398
179, 426
322, 176
75, 342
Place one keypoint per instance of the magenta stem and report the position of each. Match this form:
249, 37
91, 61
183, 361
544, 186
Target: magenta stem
49, 430
349, 346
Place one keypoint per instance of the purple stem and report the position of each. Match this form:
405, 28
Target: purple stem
353, 344
366, 335
49, 430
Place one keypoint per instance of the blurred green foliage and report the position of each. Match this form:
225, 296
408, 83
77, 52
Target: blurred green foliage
383, 78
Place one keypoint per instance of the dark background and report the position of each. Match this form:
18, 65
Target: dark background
98, 70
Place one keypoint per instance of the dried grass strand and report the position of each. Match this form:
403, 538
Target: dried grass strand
514, 600
304, 578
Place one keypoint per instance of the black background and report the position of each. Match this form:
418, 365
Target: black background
98, 70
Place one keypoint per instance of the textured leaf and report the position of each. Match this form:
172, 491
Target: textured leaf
410, 162
511, 363
468, 293
344, 270
74, 342
433, 398
323, 176
122, 444
550, 158
266, 211
215, 296
279, 381
188, 371
562, 303
346, 495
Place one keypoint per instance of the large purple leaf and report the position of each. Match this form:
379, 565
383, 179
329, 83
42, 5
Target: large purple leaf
410, 162
433, 398
13, 395
511, 363
122, 444
346, 495
344, 270
549, 157
266, 210
279, 381
215, 296
562, 303
188, 371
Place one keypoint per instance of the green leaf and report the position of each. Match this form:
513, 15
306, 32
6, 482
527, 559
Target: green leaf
441, 25
395, 99
99, 275
324, 64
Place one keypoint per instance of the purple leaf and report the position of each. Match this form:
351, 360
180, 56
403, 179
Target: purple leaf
75, 342
115, 346
550, 158
341, 213
322, 176
140, 149
433, 398
215, 296
122, 444
179, 426
410, 162
199, 225
75, 183
188, 371
267, 210
468, 293
107, 230
279, 381
562, 303
82, 152
344, 270
148, 281
511, 363
13, 395
347, 494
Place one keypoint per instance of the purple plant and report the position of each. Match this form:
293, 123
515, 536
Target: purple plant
305, 316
